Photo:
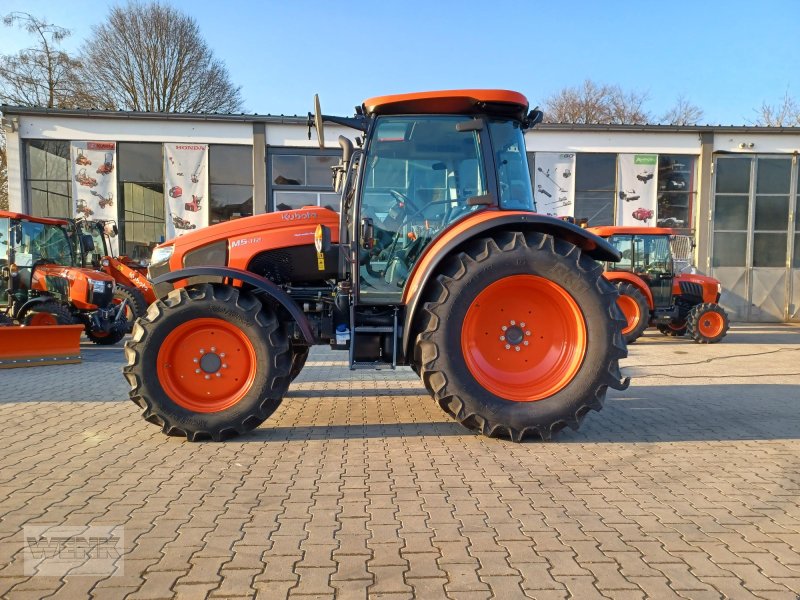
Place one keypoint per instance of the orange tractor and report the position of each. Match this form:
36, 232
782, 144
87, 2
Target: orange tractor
652, 293
437, 261
132, 286
45, 284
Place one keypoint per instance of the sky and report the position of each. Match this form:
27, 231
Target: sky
727, 57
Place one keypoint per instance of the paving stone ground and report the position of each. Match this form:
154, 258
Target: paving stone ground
687, 485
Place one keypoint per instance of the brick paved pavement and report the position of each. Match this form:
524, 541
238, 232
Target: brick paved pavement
685, 486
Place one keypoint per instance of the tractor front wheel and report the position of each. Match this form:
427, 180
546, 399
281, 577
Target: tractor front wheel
707, 323
105, 338
47, 313
673, 329
208, 362
634, 307
520, 336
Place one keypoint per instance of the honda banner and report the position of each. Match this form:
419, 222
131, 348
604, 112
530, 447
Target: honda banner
186, 187
636, 191
554, 183
94, 182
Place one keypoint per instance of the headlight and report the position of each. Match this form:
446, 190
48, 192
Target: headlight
161, 255
98, 286
719, 288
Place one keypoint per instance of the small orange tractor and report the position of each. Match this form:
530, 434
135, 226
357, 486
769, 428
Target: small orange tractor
437, 261
651, 293
45, 283
132, 286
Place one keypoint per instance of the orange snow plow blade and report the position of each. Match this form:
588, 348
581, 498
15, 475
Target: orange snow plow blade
35, 346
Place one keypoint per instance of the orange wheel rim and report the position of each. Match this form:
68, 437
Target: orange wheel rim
675, 327
710, 324
524, 338
629, 308
206, 365
42, 318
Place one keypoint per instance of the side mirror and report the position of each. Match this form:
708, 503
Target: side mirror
315, 120
534, 118
87, 242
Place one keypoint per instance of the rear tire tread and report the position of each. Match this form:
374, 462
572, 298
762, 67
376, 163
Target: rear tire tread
427, 351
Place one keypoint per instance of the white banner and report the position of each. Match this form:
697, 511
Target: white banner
554, 184
185, 187
94, 182
636, 192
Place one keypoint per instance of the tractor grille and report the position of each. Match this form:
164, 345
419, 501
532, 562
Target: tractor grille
275, 265
689, 288
102, 299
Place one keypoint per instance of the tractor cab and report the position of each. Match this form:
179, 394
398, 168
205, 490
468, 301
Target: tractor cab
649, 256
424, 167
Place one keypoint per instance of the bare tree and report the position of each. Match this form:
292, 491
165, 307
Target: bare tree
591, 102
784, 114
683, 113
151, 57
44, 74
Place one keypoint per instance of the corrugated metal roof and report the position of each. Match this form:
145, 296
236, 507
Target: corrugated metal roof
134, 114
301, 120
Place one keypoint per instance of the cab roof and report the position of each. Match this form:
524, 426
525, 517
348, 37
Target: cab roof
609, 230
469, 102
5, 214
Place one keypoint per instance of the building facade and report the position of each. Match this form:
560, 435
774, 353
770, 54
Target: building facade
735, 189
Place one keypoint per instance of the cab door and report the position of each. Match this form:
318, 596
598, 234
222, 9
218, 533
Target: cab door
653, 262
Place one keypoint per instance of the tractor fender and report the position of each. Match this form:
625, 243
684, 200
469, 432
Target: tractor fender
489, 221
33, 301
632, 278
261, 284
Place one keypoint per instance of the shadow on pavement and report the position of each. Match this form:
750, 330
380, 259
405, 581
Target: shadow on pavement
644, 414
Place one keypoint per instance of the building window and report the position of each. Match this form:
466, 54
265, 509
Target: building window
141, 185
731, 209
595, 181
48, 178
771, 212
230, 170
302, 179
676, 190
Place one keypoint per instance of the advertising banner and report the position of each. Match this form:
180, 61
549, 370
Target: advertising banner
94, 181
554, 183
185, 187
636, 193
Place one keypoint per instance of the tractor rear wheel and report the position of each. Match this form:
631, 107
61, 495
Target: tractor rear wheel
136, 304
47, 313
707, 323
208, 362
520, 336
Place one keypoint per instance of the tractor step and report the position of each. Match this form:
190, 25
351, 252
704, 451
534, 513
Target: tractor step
376, 366
373, 330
